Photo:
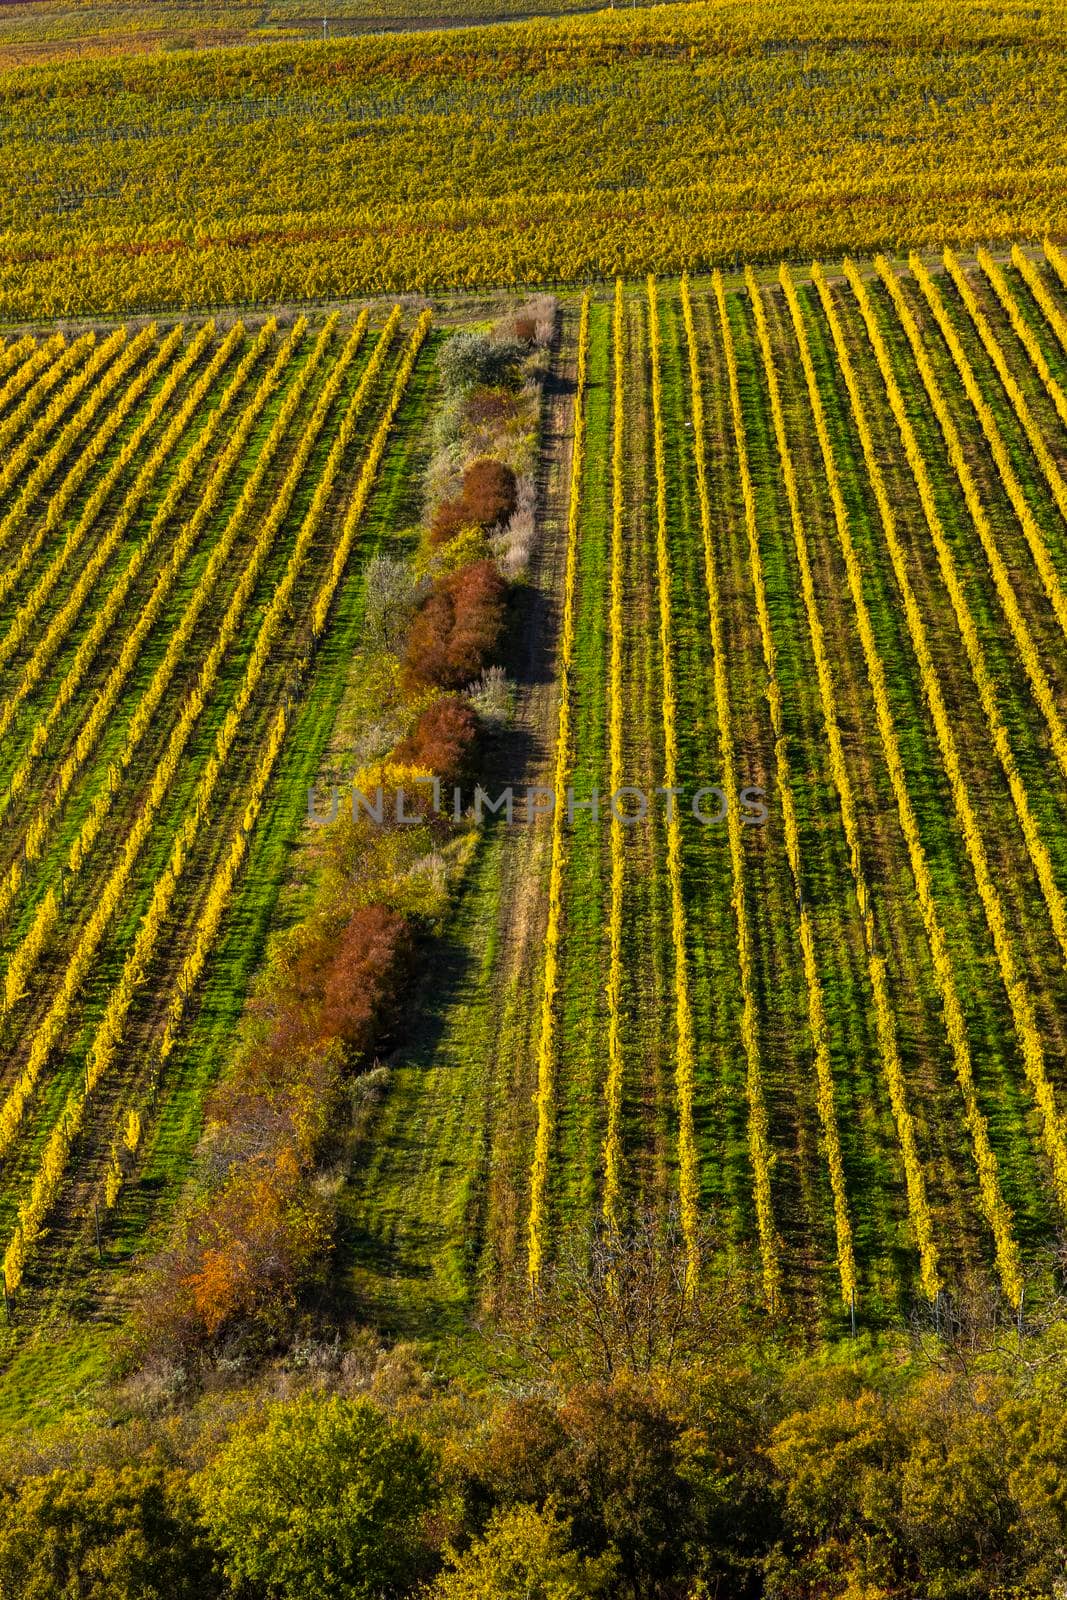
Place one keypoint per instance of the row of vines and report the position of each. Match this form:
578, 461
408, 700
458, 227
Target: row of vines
183, 510
838, 551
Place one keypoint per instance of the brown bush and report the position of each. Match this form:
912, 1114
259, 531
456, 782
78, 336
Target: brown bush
442, 738
458, 628
362, 981
242, 1256
526, 329
337, 984
489, 490
489, 496
489, 407
260, 1232
448, 519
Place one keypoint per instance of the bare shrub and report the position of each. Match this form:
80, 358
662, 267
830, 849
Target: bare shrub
493, 696
392, 595
513, 547
622, 1301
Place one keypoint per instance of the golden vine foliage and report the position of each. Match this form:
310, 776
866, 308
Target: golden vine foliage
1020, 629
685, 1048
51, 803
87, 456
68, 614
997, 1212
846, 1258
178, 644
452, 188
1021, 328
79, 964
976, 656
915, 1181
1034, 536
109, 1035
546, 1044
13, 354
67, 357
1037, 286
616, 1063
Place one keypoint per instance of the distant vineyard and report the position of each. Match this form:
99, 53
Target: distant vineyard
183, 520
681, 138
57, 30
817, 543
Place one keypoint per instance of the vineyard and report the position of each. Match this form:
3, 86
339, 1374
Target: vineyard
681, 137
807, 535
186, 515
54, 30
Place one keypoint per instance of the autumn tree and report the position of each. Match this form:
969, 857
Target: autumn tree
442, 738
524, 1554
325, 1502
130, 1533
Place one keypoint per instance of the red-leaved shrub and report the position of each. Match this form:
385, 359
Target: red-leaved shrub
457, 629
442, 738
489, 496
490, 490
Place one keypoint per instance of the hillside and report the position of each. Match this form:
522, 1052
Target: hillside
533, 801
553, 150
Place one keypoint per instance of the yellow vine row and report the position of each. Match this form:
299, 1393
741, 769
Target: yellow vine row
51, 802
150, 612
226, 874
28, 452
546, 1042
1039, 289
15, 354
685, 1046
846, 1259
365, 482
109, 1034
1023, 331
1020, 630
885, 1021
1020, 999
43, 463
86, 458
997, 1212
207, 928
71, 609
80, 958
980, 671
180, 642
25, 959
67, 356
1034, 537
36, 359
612, 1204
1057, 261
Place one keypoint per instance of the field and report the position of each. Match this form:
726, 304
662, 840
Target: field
533, 800
805, 535
663, 139
55, 30
187, 513
803, 550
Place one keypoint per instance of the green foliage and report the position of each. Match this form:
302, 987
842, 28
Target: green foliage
524, 1554
325, 1501
938, 1491
125, 1534
470, 360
